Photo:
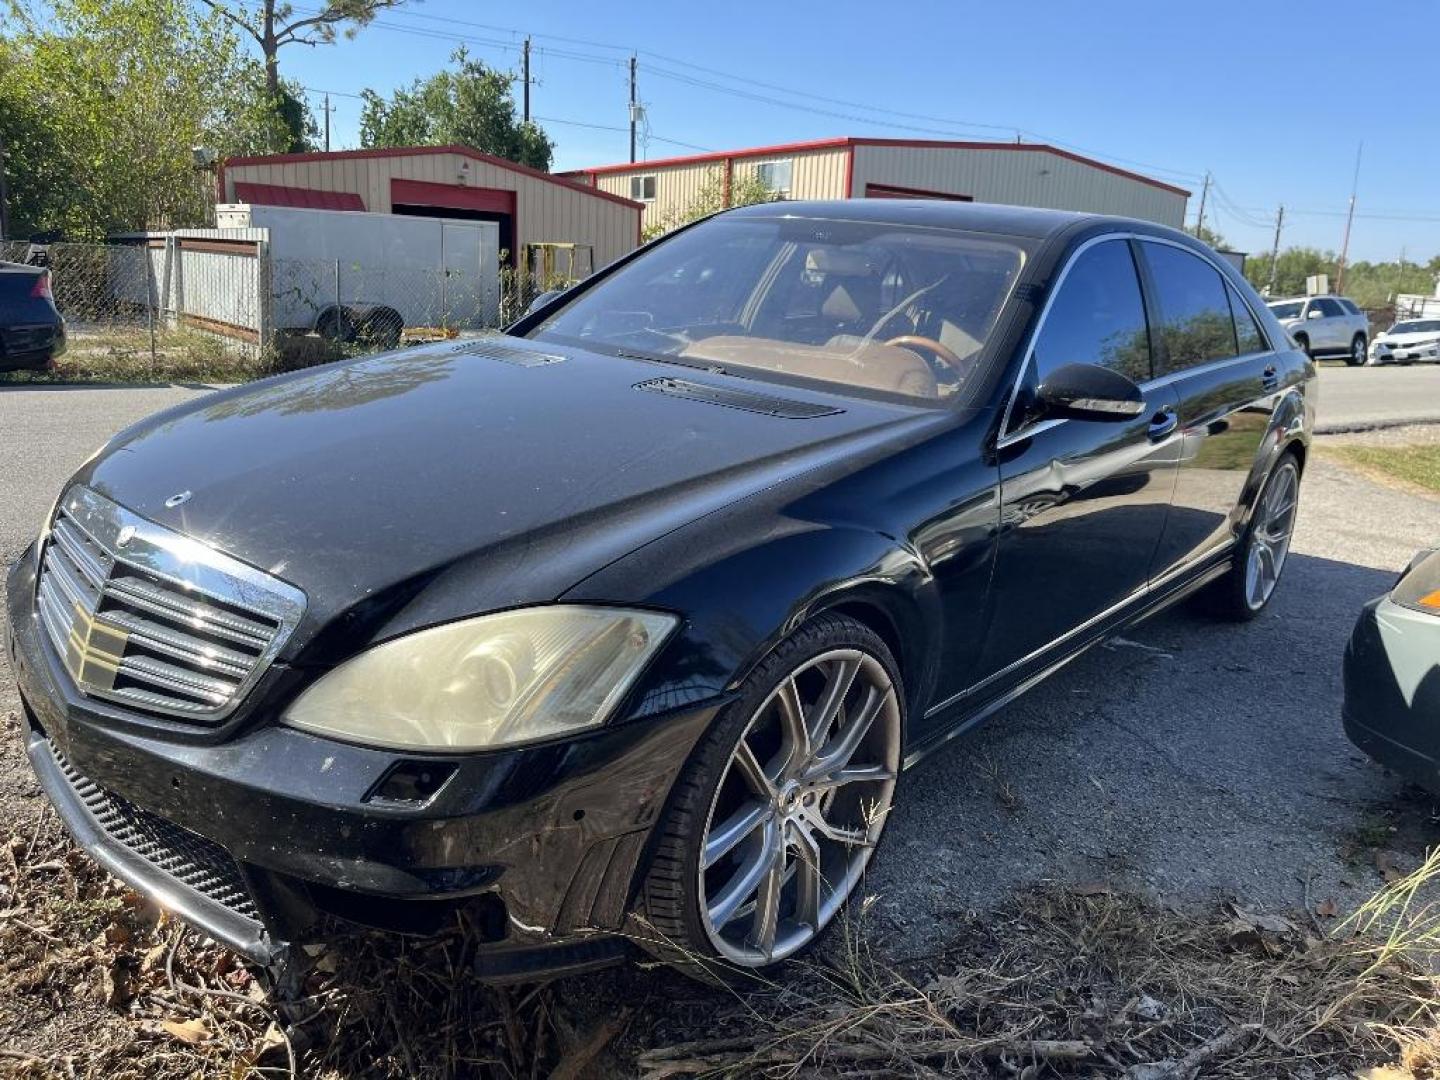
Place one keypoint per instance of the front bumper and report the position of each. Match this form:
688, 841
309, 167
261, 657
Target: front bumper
1400, 354
1392, 690
260, 839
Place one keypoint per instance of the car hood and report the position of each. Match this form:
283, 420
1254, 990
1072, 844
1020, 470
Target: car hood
1419, 337
414, 487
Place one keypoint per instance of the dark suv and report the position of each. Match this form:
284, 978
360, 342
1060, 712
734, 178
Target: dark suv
32, 334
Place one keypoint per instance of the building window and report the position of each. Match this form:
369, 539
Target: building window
642, 188
775, 175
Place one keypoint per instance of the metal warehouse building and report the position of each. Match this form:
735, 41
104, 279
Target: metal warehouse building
1019, 174
531, 207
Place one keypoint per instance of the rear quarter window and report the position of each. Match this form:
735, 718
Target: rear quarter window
1196, 325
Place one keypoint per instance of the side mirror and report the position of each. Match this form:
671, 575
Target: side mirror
1314, 313
541, 300
1088, 392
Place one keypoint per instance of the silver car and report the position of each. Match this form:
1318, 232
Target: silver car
1408, 341
1325, 326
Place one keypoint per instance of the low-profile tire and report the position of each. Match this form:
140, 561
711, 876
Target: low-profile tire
1356, 356
1260, 555
770, 827
1302, 342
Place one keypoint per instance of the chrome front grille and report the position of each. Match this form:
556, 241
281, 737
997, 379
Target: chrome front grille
152, 619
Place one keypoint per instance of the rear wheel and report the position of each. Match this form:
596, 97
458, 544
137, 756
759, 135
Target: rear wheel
775, 819
1260, 555
1357, 351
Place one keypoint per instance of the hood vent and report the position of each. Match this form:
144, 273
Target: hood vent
508, 354
731, 398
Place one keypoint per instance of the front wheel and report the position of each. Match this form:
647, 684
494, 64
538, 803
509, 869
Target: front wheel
775, 819
1303, 344
1260, 555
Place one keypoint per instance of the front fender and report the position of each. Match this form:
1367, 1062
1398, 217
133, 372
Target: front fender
746, 585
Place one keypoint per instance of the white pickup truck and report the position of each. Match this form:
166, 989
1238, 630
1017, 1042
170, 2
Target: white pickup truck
1325, 326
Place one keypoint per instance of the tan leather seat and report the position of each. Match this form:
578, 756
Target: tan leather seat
871, 365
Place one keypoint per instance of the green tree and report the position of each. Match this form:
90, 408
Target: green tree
125, 89
470, 105
745, 189
1209, 236
35, 179
1292, 267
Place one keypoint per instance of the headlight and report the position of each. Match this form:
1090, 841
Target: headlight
512, 677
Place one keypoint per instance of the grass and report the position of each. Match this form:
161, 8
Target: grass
1417, 465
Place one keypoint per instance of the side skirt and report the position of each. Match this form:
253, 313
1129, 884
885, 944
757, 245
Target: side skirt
968, 715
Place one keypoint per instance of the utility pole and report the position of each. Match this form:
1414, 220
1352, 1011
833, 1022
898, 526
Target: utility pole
632, 108
1349, 217
327, 122
4, 201
1275, 250
525, 71
1204, 191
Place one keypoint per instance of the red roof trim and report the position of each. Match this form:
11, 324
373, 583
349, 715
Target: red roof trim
248, 191
413, 151
832, 144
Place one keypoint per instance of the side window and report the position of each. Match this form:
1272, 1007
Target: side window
1247, 332
1196, 325
1349, 306
1097, 317
1329, 308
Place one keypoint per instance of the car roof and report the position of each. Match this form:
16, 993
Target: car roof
1019, 221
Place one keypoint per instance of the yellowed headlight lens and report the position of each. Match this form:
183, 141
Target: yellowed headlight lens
497, 680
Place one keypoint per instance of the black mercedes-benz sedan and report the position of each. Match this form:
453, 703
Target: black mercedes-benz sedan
621, 628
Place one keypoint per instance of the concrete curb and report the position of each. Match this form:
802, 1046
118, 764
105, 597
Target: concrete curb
1355, 426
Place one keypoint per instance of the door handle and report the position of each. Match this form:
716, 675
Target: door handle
1269, 378
1163, 423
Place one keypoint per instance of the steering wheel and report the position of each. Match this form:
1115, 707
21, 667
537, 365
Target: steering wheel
930, 345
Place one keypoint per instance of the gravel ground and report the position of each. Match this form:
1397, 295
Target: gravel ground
1190, 761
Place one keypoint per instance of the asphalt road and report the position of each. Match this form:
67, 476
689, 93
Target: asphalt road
1355, 399
1191, 760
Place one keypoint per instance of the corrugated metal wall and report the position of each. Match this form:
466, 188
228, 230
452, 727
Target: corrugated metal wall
547, 211
1017, 178
815, 174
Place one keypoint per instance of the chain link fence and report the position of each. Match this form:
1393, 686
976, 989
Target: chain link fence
108, 296
203, 305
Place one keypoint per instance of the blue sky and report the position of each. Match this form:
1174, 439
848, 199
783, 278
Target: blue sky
1272, 99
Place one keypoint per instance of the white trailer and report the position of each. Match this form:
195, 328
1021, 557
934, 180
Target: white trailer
345, 272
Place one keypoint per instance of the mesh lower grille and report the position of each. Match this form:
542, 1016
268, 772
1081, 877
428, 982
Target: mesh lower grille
192, 860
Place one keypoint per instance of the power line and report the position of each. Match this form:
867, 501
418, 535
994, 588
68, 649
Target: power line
950, 129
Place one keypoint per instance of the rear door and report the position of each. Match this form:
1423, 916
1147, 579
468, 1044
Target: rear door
1213, 354
1083, 503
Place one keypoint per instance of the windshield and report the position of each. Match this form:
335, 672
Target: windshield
1418, 326
862, 305
1288, 310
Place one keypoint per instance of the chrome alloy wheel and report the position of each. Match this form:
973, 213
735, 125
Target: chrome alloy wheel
800, 807
1358, 350
1270, 535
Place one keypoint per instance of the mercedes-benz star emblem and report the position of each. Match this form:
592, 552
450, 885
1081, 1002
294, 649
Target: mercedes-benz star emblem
178, 499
